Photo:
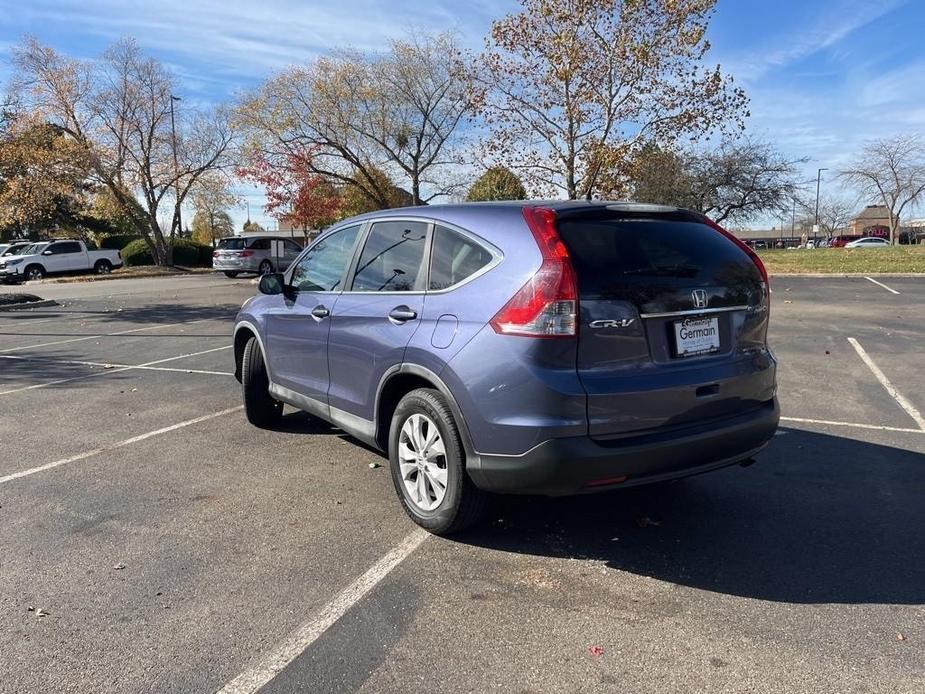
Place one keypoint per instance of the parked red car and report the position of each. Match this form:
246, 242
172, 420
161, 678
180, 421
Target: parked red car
841, 241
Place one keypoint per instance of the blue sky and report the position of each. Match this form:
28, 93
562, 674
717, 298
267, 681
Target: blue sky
823, 75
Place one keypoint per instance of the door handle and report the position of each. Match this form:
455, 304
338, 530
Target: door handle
320, 312
401, 314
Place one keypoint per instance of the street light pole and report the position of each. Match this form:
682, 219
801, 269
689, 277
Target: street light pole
176, 166
816, 223
793, 216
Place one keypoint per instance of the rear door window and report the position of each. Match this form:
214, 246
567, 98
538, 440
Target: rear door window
260, 244
454, 258
392, 258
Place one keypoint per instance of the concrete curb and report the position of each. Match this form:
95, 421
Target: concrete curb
118, 276
846, 275
28, 304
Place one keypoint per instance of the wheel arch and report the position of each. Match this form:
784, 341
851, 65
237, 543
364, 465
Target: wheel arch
401, 380
25, 270
243, 332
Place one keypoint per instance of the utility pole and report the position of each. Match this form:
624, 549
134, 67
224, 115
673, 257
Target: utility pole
816, 223
176, 166
793, 216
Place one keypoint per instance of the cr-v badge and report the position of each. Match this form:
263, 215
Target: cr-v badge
624, 323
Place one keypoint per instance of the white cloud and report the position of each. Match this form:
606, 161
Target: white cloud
825, 27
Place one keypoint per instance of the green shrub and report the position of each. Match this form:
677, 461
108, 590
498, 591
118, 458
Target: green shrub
185, 252
117, 242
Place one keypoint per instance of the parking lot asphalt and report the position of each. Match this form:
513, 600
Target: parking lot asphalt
151, 540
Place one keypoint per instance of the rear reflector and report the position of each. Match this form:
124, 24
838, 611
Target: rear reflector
547, 305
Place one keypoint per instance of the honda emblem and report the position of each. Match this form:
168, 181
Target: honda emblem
700, 298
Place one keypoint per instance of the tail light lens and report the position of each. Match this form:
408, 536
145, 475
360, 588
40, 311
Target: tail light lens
748, 251
215, 254
547, 305
245, 254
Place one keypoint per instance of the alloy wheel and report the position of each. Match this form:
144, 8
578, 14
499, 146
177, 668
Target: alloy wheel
422, 462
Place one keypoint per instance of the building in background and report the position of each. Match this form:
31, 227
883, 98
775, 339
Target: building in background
873, 220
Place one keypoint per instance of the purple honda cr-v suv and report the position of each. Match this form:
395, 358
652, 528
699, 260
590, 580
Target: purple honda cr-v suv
539, 347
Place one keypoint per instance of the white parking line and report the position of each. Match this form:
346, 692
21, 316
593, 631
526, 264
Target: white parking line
115, 370
113, 446
856, 425
111, 365
885, 382
253, 679
93, 337
881, 284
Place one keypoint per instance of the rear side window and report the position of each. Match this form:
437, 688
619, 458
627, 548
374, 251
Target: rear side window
260, 245
635, 259
65, 247
292, 247
231, 244
324, 264
392, 259
454, 258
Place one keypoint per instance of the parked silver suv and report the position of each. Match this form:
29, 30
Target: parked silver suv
258, 254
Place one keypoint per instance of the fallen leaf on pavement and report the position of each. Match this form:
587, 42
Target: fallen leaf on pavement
41, 613
595, 650
374, 465
119, 567
900, 637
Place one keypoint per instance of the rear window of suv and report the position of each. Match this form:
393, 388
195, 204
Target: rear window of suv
231, 244
635, 259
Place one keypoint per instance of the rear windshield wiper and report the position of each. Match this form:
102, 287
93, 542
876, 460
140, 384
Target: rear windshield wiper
665, 270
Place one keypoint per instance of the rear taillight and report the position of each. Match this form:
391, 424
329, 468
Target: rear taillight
245, 254
215, 254
547, 305
748, 251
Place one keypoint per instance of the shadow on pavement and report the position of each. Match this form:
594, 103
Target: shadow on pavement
818, 519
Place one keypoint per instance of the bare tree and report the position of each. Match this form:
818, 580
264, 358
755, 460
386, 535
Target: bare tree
743, 179
570, 88
835, 211
740, 180
118, 110
890, 171
398, 113
416, 97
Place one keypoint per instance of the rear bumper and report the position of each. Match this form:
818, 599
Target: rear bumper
581, 464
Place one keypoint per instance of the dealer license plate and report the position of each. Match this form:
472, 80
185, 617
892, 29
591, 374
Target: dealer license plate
696, 336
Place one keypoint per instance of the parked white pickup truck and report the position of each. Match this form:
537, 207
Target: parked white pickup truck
49, 257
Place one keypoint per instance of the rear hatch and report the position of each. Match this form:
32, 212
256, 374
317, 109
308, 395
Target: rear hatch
672, 324
230, 252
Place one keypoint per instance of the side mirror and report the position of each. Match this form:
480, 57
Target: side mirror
272, 283
46, 252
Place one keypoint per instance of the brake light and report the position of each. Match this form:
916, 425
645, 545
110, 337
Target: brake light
747, 250
215, 254
547, 305
245, 254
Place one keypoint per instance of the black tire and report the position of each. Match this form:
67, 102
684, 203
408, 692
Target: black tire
265, 267
102, 267
259, 406
33, 272
463, 503
229, 273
